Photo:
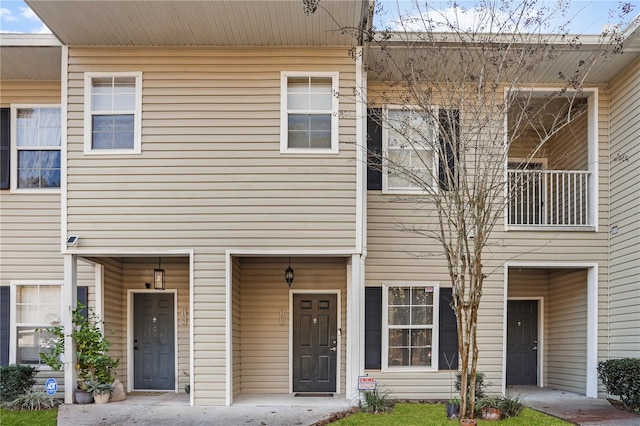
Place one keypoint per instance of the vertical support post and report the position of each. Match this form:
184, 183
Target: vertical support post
355, 328
69, 303
592, 332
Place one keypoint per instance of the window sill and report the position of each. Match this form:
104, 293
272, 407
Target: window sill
35, 191
409, 370
305, 151
113, 152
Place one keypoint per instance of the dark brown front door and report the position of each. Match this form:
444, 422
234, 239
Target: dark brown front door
315, 337
522, 342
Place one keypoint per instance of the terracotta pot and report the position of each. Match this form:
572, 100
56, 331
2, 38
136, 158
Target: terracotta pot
468, 422
491, 413
101, 398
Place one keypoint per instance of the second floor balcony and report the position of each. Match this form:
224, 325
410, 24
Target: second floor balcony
549, 198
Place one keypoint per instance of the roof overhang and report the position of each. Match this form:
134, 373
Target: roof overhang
202, 23
447, 50
30, 57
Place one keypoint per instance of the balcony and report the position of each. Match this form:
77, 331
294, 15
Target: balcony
556, 199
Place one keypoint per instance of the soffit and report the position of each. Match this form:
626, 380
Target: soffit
444, 62
29, 57
200, 22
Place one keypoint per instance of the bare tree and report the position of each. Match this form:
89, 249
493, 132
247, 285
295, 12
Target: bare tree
467, 82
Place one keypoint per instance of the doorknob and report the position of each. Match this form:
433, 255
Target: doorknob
535, 348
333, 349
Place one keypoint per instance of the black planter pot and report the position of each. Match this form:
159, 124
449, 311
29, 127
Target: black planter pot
453, 408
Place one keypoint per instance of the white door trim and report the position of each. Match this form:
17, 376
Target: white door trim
130, 293
338, 334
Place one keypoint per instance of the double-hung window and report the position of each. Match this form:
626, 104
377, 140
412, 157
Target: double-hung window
410, 145
37, 306
36, 143
410, 326
309, 112
113, 104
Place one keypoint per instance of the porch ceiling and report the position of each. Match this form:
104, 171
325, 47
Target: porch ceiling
200, 22
29, 57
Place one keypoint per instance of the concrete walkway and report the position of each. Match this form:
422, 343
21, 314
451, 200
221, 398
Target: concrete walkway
159, 409
574, 408
173, 409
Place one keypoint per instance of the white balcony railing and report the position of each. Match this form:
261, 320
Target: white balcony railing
548, 198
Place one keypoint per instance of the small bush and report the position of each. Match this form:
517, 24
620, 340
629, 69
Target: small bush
510, 406
621, 377
16, 380
376, 401
32, 401
480, 384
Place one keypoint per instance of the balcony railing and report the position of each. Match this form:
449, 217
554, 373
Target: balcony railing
548, 198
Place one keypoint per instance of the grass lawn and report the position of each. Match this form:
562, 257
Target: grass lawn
28, 418
435, 414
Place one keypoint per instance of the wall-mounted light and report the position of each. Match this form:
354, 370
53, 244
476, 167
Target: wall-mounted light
72, 241
288, 274
158, 276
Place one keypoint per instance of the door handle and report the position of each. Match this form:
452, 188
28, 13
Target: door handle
333, 349
535, 348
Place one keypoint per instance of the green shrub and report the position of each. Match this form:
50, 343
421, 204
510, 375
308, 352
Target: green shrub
480, 384
510, 406
16, 380
621, 377
32, 401
376, 401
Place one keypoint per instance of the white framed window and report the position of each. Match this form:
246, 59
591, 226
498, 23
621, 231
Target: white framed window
112, 113
410, 163
410, 326
38, 305
35, 148
309, 112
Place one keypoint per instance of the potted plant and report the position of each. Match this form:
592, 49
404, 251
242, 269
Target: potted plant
100, 391
490, 408
92, 362
453, 408
453, 404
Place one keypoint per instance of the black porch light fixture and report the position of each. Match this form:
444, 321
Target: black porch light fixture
288, 274
158, 276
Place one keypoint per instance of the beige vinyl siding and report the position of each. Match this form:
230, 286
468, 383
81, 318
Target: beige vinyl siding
211, 168
30, 222
567, 343
265, 341
569, 149
237, 329
394, 255
624, 291
115, 325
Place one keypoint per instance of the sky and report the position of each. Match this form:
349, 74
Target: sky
586, 16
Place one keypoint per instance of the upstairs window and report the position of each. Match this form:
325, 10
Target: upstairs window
113, 113
410, 163
309, 121
36, 142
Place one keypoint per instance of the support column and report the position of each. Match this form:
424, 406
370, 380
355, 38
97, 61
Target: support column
69, 303
355, 328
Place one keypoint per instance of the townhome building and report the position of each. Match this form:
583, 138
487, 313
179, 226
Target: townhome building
198, 174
